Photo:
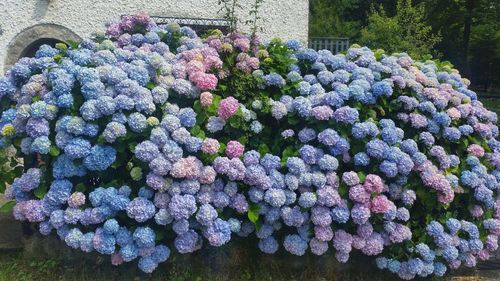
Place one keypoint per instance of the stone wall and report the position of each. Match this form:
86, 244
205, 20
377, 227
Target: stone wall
61, 19
238, 260
10, 230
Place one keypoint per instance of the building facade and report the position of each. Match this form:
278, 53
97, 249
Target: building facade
27, 24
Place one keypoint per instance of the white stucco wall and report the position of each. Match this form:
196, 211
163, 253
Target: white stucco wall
282, 18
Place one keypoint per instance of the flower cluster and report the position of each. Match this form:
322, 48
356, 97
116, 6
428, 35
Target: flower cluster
151, 126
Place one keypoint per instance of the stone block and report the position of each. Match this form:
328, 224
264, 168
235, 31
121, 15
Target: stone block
11, 232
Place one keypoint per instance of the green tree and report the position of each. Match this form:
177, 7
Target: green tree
484, 58
470, 30
406, 31
334, 18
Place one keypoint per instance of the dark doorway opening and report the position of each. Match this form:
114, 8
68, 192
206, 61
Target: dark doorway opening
31, 49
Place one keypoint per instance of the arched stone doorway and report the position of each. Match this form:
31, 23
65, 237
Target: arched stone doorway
31, 49
30, 39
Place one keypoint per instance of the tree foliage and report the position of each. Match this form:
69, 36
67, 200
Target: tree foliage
469, 31
406, 31
334, 17
472, 45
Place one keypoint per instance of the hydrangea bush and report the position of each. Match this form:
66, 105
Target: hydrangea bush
148, 139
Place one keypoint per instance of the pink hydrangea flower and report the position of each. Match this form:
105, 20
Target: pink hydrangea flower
454, 113
210, 146
212, 62
31, 210
358, 242
374, 245
243, 44
116, 259
206, 99
234, 149
195, 66
114, 30
380, 204
332, 179
223, 74
373, 183
476, 211
243, 66
207, 175
189, 167
476, 150
189, 55
146, 251
145, 48
483, 255
142, 17
446, 196
323, 112
253, 62
215, 43
359, 194
323, 233
405, 61
454, 264
204, 81
228, 107
242, 56
179, 70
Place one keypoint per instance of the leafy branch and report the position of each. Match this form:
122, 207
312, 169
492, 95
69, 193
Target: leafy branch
255, 18
228, 9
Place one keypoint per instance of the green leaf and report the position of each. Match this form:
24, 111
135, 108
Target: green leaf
132, 146
263, 149
7, 206
235, 122
159, 235
80, 187
195, 130
379, 53
288, 152
372, 114
197, 106
211, 110
54, 151
201, 117
293, 120
41, 191
18, 171
222, 148
73, 44
2, 187
150, 85
129, 166
361, 176
253, 213
101, 140
258, 225
61, 46
243, 140
343, 190
17, 141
